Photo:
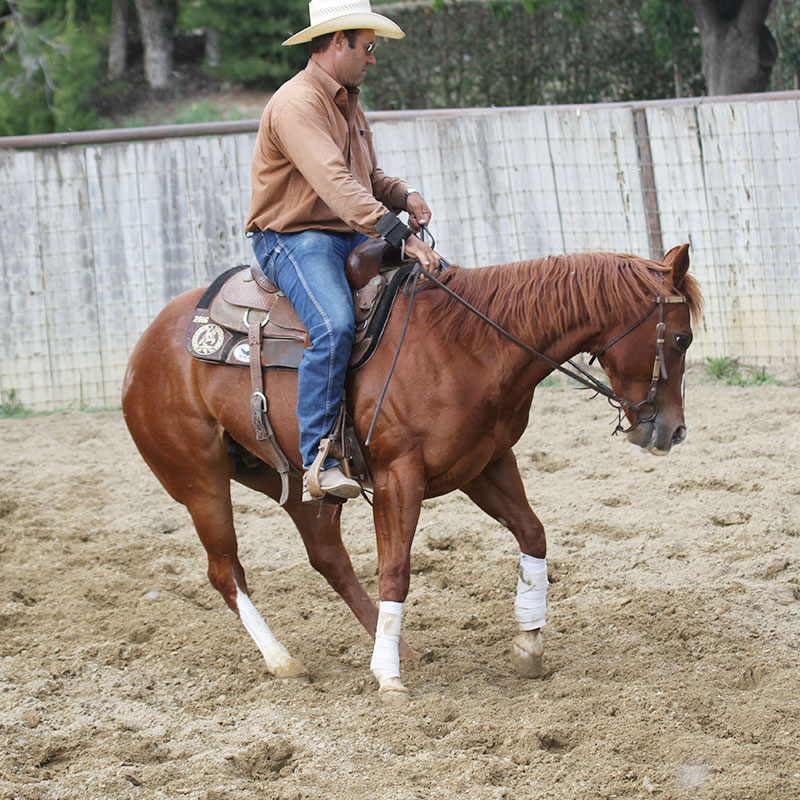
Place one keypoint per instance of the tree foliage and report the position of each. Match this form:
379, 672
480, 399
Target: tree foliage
52, 50
521, 52
248, 38
784, 21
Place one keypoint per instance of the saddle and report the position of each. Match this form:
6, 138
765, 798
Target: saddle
243, 319
221, 321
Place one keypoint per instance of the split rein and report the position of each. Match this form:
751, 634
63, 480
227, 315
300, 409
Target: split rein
579, 374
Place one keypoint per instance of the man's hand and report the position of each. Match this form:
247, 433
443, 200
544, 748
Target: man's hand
416, 248
419, 214
418, 211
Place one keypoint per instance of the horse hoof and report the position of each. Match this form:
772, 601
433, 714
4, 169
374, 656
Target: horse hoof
292, 670
527, 655
392, 691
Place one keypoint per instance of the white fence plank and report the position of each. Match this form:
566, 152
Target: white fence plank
680, 185
776, 168
118, 246
589, 150
532, 192
70, 292
25, 357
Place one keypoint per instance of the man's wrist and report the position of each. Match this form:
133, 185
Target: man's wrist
408, 191
392, 230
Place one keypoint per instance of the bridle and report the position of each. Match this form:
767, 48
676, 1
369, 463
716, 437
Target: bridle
579, 374
659, 362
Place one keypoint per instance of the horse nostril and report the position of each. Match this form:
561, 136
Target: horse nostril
679, 435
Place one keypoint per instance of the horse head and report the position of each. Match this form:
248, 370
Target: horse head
647, 361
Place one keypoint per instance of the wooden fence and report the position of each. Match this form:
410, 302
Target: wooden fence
100, 230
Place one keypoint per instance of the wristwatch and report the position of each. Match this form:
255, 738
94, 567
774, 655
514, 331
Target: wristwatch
407, 193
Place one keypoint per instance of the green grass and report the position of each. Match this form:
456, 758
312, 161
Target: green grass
184, 113
729, 370
204, 111
10, 406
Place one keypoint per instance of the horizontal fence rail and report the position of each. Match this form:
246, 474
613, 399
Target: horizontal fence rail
101, 229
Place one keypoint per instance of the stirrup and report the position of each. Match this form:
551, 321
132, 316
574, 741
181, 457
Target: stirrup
312, 477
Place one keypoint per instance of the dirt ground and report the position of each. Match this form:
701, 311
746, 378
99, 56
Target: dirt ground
673, 642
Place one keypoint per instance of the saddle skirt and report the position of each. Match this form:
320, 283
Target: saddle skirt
218, 329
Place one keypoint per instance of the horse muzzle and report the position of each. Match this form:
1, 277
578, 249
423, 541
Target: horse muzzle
657, 439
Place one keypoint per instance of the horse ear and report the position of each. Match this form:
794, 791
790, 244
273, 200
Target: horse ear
678, 259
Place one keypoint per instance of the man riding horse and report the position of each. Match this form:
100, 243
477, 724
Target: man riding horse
317, 193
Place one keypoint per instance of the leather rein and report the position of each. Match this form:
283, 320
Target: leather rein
579, 374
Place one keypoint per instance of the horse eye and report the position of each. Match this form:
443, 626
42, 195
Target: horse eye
682, 342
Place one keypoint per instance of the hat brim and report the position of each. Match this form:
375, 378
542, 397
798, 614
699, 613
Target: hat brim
382, 26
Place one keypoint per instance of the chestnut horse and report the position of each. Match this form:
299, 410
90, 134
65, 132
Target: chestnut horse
458, 400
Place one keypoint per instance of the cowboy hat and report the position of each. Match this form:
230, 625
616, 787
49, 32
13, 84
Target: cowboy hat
328, 16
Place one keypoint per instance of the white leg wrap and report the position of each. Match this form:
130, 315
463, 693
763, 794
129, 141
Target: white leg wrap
275, 654
386, 654
531, 602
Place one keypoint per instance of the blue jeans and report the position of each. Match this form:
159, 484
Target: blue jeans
309, 268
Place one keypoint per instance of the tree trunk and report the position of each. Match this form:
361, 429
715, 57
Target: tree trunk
738, 50
212, 55
156, 23
118, 40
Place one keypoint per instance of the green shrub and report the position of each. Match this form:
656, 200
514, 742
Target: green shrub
525, 52
721, 369
48, 74
10, 406
249, 38
731, 372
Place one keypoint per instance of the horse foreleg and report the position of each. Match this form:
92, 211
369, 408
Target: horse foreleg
397, 501
498, 491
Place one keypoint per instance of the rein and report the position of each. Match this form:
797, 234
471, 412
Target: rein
579, 374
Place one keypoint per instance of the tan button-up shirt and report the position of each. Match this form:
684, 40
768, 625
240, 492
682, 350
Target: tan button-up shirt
314, 165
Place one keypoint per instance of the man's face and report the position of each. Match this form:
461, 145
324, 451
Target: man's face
351, 63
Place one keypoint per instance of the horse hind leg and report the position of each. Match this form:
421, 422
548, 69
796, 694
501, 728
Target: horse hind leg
213, 520
205, 491
183, 443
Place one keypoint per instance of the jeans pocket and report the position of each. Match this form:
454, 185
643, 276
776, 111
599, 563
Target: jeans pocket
266, 249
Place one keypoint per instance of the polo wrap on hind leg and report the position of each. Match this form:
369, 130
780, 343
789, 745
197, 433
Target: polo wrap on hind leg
531, 602
386, 654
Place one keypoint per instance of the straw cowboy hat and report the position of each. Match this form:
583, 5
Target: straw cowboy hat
328, 16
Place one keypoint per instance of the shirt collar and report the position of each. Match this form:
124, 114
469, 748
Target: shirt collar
331, 86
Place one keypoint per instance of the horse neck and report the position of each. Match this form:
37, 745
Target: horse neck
547, 304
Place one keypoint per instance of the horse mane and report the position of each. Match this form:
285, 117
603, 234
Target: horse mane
545, 295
